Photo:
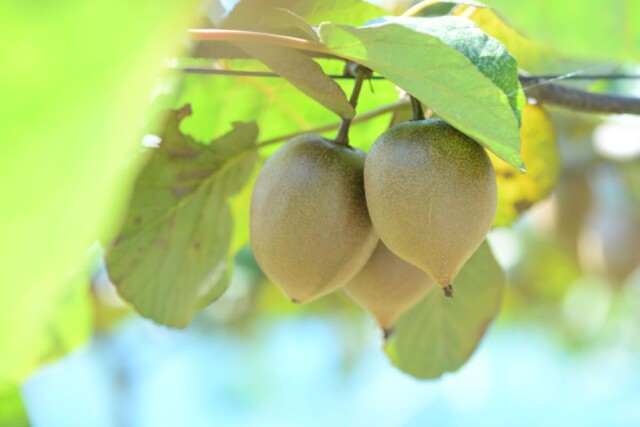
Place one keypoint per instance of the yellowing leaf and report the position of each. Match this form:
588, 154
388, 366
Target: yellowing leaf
599, 29
518, 192
530, 55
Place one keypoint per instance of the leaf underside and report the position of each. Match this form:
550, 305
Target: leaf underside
438, 75
172, 256
440, 334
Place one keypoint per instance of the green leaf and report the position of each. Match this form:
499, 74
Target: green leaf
277, 106
12, 410
77, 81
305, 74
173, 253
486, 53
351, 12
279, 18
609, 29
438, 75
440, 334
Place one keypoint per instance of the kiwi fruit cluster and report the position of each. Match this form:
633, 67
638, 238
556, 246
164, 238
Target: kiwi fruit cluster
386, 226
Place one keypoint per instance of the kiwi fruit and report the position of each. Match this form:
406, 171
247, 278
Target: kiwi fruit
387, 286
431, 195
309, 227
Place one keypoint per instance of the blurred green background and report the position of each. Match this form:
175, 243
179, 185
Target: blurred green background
79, 84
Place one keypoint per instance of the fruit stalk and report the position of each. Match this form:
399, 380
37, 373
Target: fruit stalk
343, 132
416, 108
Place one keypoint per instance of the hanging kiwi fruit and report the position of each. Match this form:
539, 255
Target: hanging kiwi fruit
431, 194
309, 226
387, 286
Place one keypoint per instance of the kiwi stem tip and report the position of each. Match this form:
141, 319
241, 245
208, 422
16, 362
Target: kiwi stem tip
448, 291
386, 333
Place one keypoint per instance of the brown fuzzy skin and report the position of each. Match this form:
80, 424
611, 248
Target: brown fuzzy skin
431, 193
309, 225
387, 286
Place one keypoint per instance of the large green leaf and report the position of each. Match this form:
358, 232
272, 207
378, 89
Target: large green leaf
440, 334
284, 19
488, 54
277, 107
76, 81
173, 253
305, 74
438, 75
597, 29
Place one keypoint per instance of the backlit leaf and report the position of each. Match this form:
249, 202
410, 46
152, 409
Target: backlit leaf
488, 54
305, 74
173, 253
248, 14
275, 105
437, 74
280, 18
440, 334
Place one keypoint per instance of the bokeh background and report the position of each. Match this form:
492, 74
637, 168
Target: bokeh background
563, 350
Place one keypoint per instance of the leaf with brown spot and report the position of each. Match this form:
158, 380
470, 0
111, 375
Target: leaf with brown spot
173, 252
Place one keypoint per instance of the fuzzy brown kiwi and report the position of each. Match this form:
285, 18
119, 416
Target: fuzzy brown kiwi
431, 194
309, 227
387, 286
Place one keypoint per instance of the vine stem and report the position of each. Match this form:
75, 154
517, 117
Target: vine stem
388, 108
546, 78
343, 131
543, 91
579, 100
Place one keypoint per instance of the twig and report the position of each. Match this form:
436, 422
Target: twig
388, 108
578, 100
535, 86
578, 76
222, 72
361, 73
548, 78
